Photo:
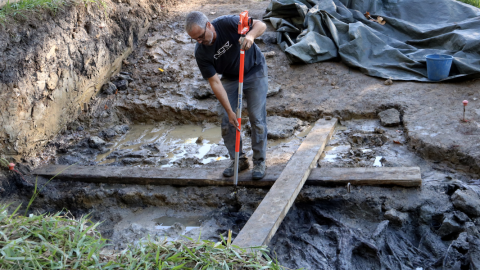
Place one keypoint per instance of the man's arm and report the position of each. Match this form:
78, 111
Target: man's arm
258, 27
221, 95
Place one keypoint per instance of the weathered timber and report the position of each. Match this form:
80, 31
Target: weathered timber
399, 176
155, 176
268, 216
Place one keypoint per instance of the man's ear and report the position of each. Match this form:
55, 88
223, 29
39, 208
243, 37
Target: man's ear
209, 25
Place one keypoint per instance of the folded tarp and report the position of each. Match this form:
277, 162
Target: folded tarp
310, 31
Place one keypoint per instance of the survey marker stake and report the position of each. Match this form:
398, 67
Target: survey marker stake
244, 25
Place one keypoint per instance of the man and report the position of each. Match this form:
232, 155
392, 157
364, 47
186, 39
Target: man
218, 52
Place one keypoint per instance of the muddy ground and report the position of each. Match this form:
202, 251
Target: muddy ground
154, 111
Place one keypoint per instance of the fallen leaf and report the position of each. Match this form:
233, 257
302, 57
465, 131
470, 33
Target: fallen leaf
106, 107
397, 142
116, 91
160, 69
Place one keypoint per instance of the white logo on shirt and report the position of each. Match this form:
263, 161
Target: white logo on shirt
222, 50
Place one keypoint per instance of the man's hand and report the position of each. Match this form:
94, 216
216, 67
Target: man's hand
246, 42
232, 118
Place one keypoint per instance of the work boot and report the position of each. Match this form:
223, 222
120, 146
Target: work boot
259, 171
242, 165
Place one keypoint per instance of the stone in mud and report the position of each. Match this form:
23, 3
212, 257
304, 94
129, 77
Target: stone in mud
427, 211
188, 162
96, 142
136, 228
381, 228
138, 154
108, 134
269, 54
461, 217
152, 41
389, 118
175, 230
273, 89
132, 161
217, 151
461, 243
164, 161
449, 226
396, 217
431, 242
368, 139
124, 76
119, 153
121, 84
281, 127
202, 92
121, 129
150, 161
69, 160
52, 81
467, 201
109, 88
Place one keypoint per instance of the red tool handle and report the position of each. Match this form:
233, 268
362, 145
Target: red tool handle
240, 81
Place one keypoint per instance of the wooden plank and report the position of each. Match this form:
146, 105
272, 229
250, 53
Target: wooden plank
266, 219
400, 176
155, 176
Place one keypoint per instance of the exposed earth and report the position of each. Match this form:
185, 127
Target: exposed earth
152, 108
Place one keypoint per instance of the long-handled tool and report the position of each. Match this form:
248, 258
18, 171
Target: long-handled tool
244, 26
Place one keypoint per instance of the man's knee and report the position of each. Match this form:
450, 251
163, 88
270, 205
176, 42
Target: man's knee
260, 129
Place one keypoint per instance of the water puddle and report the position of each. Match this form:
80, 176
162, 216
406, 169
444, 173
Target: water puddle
190, 223
171, 142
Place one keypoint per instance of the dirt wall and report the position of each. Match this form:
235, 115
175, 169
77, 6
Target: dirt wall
51, 64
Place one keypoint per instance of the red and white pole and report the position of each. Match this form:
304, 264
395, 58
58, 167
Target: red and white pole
239, 115
244, 26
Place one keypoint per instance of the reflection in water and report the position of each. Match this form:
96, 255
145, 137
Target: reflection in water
180, 142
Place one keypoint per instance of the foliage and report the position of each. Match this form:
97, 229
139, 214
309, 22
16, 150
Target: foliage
4, 163
60, 242
475, 3
24, 8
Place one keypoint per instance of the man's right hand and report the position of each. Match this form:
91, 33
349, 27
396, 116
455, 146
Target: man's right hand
232, 118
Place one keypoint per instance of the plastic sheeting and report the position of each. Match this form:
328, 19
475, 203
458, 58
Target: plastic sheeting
310, 31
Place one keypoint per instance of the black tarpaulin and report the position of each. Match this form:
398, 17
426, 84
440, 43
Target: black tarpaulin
310, 31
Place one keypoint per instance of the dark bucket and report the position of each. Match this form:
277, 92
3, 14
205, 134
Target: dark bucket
438, 66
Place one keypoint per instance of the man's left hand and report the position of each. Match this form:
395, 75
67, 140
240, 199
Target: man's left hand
246, 43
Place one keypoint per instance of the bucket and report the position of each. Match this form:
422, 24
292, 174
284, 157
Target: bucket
438, 66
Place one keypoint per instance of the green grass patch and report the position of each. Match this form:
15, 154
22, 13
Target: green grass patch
475, 3
25, 8
61, 242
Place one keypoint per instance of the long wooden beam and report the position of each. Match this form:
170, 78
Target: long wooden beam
400, 176
268, 216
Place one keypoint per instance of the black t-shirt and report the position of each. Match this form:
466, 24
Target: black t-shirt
223, 57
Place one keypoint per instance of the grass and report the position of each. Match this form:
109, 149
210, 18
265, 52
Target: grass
61, 242
475, 3
25, 8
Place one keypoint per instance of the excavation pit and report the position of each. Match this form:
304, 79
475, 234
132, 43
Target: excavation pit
328, 226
